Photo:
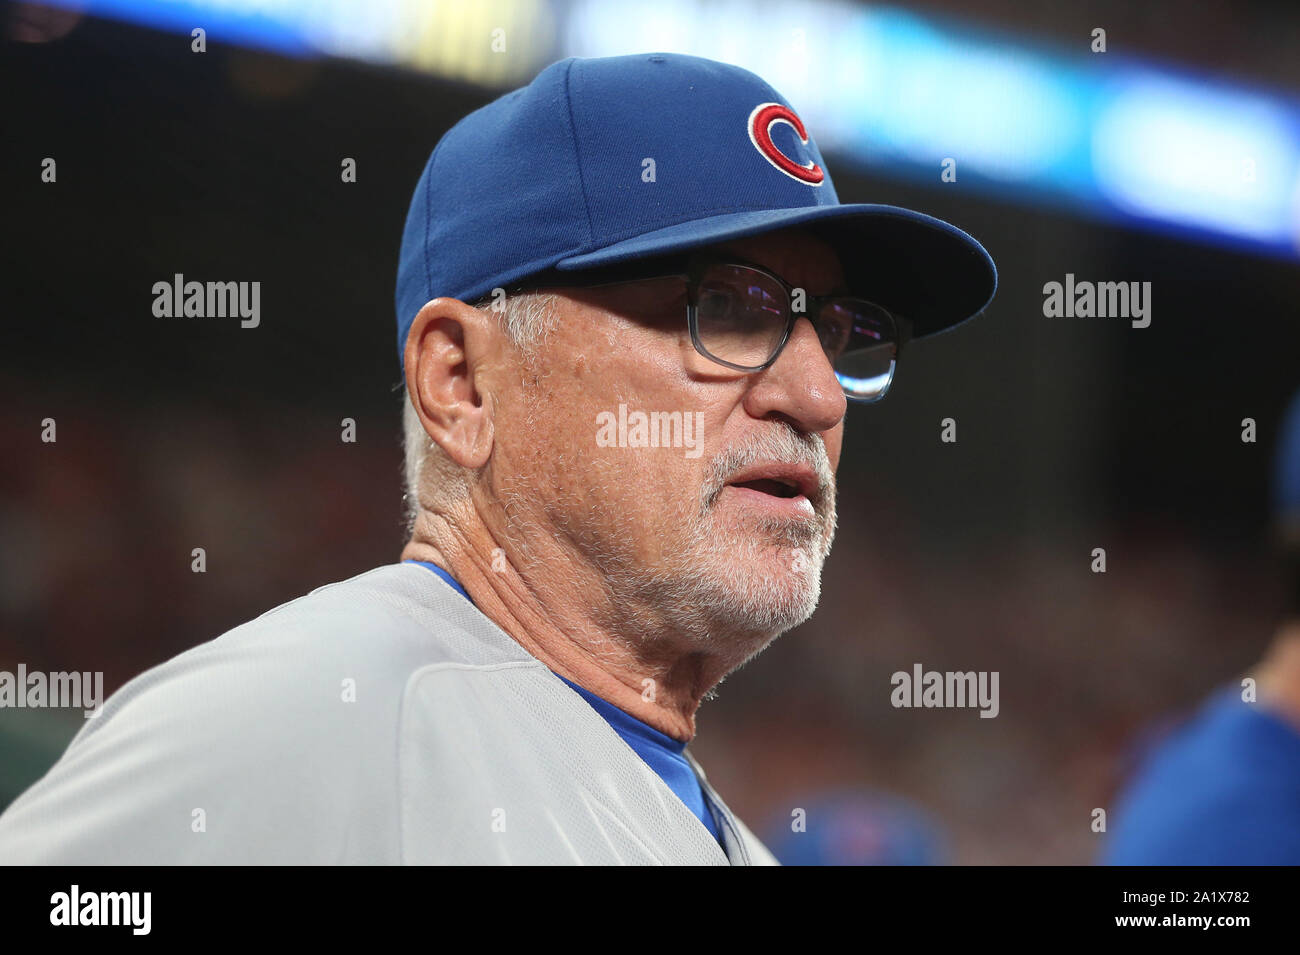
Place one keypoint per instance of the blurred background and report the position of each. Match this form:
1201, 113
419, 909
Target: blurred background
1173, 157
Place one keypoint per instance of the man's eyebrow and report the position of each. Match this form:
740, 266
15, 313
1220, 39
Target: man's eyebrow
839, 288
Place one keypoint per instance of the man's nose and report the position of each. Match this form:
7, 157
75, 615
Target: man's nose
800, 385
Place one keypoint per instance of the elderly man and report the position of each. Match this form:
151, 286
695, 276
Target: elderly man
631, 313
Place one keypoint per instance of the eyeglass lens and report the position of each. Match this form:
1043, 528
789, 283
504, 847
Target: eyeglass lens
742, 314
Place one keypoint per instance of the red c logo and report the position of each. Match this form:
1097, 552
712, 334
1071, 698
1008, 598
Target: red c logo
761, 121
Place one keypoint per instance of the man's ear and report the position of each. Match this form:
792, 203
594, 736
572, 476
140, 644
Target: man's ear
447, 349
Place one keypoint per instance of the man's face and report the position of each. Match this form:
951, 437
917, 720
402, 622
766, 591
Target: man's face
701, 536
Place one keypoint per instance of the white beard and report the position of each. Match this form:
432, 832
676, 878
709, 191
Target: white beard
743, 583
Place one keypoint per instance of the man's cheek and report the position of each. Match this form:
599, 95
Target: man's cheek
663, 507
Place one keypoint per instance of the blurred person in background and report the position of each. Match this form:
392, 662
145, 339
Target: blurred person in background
1224, 787
855, 826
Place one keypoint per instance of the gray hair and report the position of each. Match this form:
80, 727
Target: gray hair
526, 319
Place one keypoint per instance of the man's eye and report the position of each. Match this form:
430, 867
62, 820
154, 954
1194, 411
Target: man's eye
657, 298
714, 303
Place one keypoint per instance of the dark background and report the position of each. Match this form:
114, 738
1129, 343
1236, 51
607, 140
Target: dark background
181, 433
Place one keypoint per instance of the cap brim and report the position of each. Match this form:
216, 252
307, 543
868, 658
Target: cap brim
919, 267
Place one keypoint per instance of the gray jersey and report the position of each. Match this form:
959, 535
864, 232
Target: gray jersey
379, 720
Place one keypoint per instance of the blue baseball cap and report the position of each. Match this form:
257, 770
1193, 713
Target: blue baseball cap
606, 160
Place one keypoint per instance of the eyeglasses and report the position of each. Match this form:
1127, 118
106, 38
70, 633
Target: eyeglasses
742, 316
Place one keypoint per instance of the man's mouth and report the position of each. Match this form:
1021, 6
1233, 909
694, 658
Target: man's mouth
784, 488
776, 488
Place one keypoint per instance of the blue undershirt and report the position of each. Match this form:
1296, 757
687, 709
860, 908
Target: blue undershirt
662, 753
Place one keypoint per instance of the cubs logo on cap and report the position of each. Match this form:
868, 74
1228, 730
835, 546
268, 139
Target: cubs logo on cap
761, 121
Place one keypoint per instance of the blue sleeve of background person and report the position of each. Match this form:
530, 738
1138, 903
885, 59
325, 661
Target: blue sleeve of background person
661, 753
1224, 789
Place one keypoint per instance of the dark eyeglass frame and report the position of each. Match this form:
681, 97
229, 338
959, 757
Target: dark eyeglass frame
692, 269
